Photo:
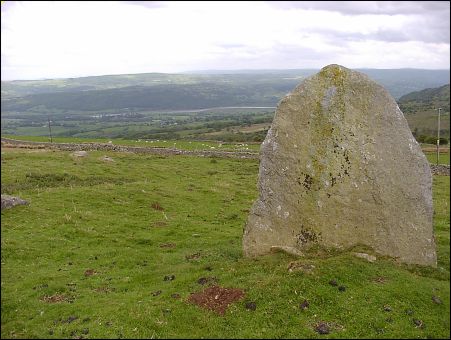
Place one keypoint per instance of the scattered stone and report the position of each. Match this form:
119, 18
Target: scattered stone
85, 331
175, 296
8, 201
207, 280
322, 328
340, 150
418, 323
342, 288
387, 308
441, 169
169, 277
71, 318
306, 268
333, 283
389, 319
436, 300
106, 159
304, 305
369, 258
250, 305
158, 292
216, 298
409, 312
79, 154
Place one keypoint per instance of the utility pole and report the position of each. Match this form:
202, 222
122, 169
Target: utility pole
50, 130
438, 134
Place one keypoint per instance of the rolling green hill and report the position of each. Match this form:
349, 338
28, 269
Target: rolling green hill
144, 105
420, 109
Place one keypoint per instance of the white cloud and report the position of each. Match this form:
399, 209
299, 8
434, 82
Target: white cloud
69, 39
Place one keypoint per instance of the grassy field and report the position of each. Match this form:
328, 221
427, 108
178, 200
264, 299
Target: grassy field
179, 144
89, 256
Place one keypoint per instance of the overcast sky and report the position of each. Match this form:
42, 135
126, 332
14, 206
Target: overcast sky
74, 39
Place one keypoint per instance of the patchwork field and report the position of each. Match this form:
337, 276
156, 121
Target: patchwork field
115, 249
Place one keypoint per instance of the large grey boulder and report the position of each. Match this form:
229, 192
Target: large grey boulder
340, 167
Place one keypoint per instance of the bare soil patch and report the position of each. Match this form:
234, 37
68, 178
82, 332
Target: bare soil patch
56, 298
216, 298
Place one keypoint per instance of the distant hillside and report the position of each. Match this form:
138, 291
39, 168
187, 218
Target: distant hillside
420, 108
274, 83
427, 99
138, 105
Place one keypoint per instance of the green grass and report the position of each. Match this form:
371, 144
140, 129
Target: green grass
179, 144
88, 214
443, 158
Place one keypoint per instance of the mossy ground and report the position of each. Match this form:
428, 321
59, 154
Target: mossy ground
87, 214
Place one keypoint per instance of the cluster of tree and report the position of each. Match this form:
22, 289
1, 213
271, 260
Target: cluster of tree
431, 140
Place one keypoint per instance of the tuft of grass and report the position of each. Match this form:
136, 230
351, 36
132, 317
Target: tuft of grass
91, 241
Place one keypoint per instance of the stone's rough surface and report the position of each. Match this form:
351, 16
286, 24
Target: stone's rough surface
339, 167
11, 201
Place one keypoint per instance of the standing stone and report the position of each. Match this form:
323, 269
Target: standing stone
340, 167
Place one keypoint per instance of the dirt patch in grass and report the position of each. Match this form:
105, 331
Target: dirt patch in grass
194, 256
56, 298
379, 279
157, 206
167, 245
216, 298
90, 272
159, 224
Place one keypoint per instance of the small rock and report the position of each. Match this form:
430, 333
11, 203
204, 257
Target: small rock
390, 320
387, 308
409, 312
158, 292
304, 305
175, 296
71, 319
436, 300
8, 201
79, 154
322, 328
418, 323
342, 288
369, 258
85, 331
306, 268
333, 283
251, 305
169, 277
106, 159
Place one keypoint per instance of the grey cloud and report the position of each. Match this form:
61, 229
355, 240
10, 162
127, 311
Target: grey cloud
147, 4
367, 7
